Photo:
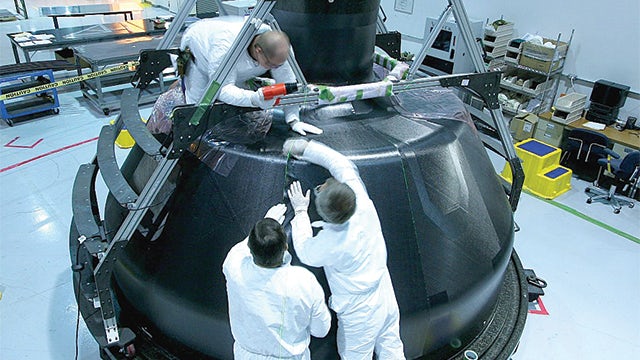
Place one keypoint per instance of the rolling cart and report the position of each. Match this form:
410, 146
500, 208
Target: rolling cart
19, 107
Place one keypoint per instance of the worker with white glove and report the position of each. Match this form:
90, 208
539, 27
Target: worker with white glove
274, 307
351, 249
209, 40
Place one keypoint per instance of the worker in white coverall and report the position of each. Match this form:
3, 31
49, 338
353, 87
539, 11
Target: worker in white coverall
274, 307
209, 40
352, 250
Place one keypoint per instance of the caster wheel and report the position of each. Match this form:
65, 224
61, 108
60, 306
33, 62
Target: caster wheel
55, 111
631, 205
589, 201
587, 190
616, 211
106, 111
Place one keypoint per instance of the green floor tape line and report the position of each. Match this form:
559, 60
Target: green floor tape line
588, 218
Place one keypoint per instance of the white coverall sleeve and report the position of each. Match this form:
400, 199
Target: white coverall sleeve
320, 317
312, 251
301, 234
233, 95
230, 93
341, 168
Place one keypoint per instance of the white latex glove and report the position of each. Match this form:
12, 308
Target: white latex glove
294, 147
257, 100
299, 201
277, 213
303, 128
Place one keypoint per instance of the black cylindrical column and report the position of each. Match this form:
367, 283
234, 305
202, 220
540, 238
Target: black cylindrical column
333, 40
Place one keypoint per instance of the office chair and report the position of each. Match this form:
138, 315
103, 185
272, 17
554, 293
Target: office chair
626, 172
581, 150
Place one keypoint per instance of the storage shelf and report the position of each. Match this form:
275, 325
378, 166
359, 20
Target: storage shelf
546, 82
535, 71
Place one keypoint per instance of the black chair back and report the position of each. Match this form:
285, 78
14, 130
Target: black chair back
581, 149
628, 166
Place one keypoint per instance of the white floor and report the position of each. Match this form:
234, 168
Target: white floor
589, 256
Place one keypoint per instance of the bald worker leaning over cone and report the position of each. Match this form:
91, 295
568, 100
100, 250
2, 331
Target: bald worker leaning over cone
205, 43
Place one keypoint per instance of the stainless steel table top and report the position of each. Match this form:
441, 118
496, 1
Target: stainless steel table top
80, 9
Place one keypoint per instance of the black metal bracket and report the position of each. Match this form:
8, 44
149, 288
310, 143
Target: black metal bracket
186, 130
486, 85
390, 42
152, 63
535, 285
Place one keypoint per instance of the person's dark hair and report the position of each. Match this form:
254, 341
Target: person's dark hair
267, 242
336, 203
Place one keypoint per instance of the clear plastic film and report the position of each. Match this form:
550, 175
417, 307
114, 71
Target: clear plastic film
236, 131
160, 119
436, 103
431, 103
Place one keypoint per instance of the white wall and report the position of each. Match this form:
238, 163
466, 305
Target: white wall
605, 45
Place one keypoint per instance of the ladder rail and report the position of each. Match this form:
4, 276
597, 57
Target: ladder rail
422, 54
176, 26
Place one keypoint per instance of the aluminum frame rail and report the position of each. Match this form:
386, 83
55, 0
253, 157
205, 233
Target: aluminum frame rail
99, 287
456, 8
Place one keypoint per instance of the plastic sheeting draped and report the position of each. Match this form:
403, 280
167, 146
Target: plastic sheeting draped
252, 127
160, 119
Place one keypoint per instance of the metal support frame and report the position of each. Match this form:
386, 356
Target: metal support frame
187, 127
484, 85
456, 8
137, 209
381, 27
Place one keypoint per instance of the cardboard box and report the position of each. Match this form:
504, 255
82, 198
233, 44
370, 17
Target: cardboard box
523, 126
543, 58
544, 53
540, 65
549, 132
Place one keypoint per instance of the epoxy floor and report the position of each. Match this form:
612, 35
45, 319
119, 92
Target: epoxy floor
589, 256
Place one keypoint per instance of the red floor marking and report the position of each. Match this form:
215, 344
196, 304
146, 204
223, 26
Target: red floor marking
46, 154
542, 311
10, 144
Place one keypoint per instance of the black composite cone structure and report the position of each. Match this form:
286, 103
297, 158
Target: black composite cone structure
447, 223
445, 217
